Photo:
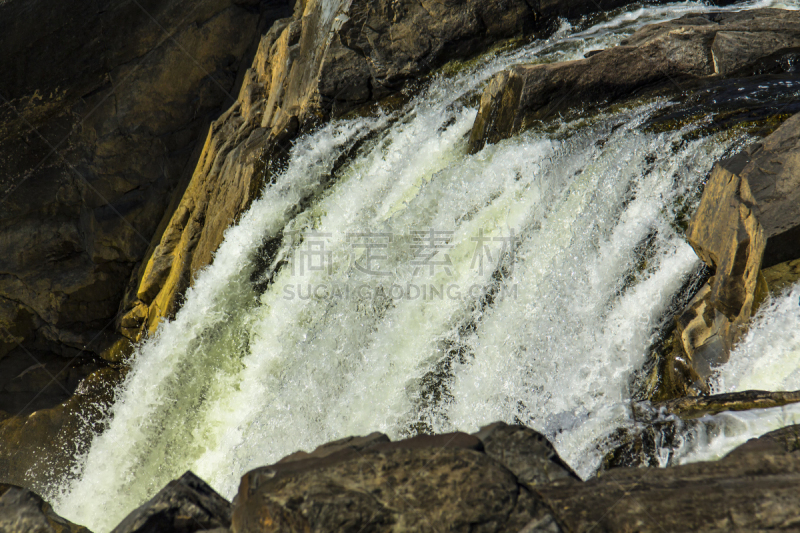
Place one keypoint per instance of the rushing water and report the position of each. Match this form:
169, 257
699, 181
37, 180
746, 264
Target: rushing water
552, 262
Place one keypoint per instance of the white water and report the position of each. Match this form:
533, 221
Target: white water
767, 359
241, 379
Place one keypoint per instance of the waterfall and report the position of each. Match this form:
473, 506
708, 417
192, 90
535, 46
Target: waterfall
553, 260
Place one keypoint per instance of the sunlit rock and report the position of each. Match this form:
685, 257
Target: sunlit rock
669, 57
748, 219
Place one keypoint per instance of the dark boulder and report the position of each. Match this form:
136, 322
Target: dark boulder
186, 505
754, 488
527, 453
426, 483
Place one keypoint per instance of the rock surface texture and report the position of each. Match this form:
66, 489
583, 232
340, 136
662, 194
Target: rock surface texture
676, 55
22, 511
101, 104
748, 220
186, 505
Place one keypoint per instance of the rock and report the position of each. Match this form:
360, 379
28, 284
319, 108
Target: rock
681, 54
748, 219
186, 505
528, 454
39, 449
22, 511
752, 489
426, 483
696, 407
782, 276
98, 123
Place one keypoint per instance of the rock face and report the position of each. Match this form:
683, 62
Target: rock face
22, 511
186, 505
101, 104
426, 483
679, 54
748, 219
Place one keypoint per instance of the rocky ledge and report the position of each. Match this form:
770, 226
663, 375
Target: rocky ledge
677, 56
502, 478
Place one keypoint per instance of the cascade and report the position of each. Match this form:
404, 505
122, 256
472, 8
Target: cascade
554, 260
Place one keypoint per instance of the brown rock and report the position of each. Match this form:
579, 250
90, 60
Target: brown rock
426, 483
38, 449
748, 219
22, 511
678, 54
752, 489
528, 454
101, 105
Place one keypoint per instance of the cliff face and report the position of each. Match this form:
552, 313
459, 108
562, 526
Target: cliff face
101, 104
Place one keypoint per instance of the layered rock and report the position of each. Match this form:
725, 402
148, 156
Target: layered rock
751, 489
669, 57
748, 219
101, 104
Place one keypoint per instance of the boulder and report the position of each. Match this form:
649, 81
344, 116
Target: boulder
22, 511
527, 453
39, 449
426, 483
748, 220
185, 505
754, 488
678, 55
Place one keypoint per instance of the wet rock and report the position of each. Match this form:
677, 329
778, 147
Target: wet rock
186, 505
689, 408
752, 489
782, 276
22, 511
670, 57
664, 427
528, 454
426, 483
748, 219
